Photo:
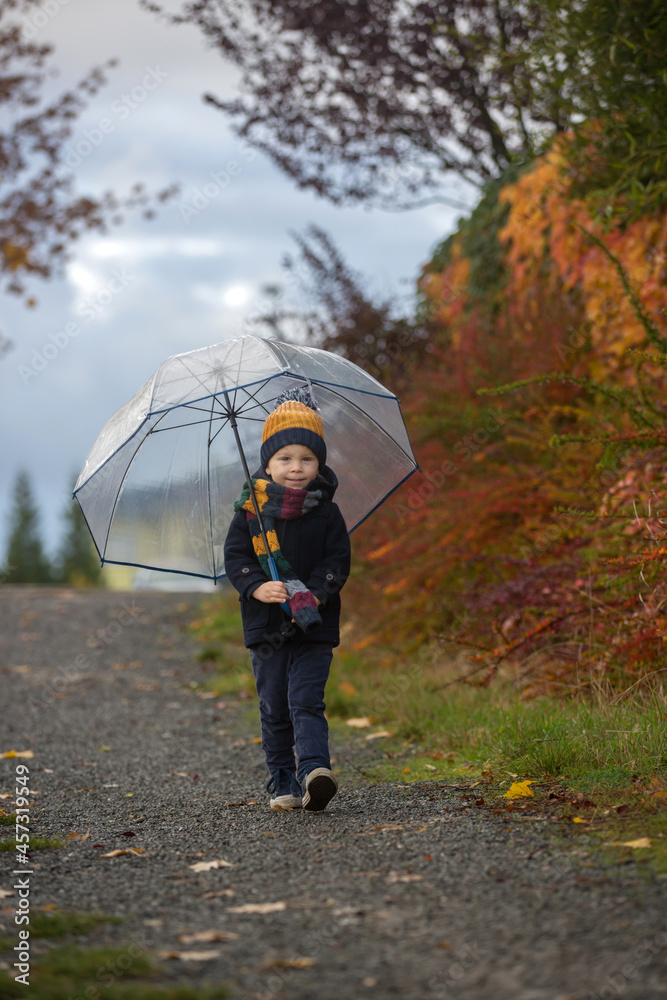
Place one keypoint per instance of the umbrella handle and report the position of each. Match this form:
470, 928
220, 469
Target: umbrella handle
275, 576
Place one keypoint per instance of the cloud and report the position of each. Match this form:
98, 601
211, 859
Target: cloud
229, 296
151, 247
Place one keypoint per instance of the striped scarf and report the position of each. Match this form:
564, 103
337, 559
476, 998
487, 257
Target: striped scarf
284, 503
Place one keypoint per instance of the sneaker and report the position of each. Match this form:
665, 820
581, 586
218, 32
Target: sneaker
319, 787
285, 789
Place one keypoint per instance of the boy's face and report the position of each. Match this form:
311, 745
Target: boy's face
294, 465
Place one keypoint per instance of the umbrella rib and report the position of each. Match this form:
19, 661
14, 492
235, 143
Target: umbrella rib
208, 488
253, 396
372, 419
190, 423
221, 427
123, 478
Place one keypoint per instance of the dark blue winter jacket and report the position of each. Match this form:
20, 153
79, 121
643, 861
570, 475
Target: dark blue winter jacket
316, 545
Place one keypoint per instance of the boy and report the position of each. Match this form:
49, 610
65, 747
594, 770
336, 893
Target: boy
291, 654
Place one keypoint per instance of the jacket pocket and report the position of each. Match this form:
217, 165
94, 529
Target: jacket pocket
254, 613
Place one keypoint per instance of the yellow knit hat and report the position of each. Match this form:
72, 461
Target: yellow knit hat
294, 421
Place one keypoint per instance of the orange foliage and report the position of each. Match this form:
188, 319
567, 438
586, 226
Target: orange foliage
471, 550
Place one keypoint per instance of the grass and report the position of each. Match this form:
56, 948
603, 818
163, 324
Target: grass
100, 974
97, 973
60, 923
613, 757
36, 844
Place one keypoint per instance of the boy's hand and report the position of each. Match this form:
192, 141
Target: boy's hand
271, 592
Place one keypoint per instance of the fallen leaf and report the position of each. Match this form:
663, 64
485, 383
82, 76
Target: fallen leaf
634, 844
361, 723
220, 892
383, 733
206, 936
290, 963
394, 877
5, 892
257, 739
123, 850
190, 956
205, 866
18, 753
578, 819
78, 836
518, 789
259, 908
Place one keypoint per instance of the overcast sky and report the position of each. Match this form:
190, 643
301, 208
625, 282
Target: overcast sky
149, 289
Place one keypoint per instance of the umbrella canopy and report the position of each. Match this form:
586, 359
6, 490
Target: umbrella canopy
158, 487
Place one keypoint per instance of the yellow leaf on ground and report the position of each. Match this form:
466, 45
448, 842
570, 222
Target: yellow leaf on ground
123, 850
518, 790
190, 956
635, 844
376, 736
18, 753
207, 936
205, 866
290, 963
78, 836
578, 819
362, 723
259, 908
257, 739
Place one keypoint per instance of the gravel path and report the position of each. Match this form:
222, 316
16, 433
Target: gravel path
393, 891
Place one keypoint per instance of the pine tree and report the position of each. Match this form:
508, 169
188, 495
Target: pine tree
78, 563
26, 561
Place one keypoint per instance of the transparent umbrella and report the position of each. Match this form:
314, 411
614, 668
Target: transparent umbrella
158, 487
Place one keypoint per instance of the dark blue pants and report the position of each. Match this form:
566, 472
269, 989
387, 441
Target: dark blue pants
290, 683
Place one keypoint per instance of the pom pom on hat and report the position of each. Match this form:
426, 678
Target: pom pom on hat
294, 420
